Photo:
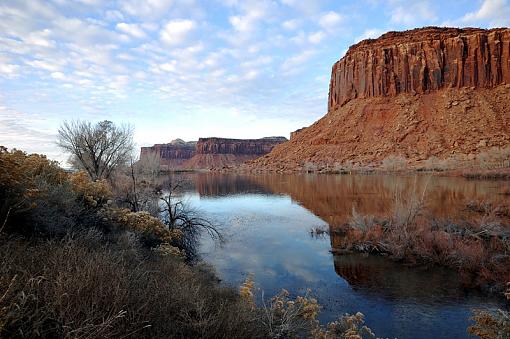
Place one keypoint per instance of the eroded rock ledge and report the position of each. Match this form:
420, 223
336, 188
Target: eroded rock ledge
421, 61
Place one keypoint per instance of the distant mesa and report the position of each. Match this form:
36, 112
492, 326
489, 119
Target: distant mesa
210, 153
425, 93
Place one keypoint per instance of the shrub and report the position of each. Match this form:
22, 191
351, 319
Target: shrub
152, 230
394, 163
491, 325
85, 286
494, 158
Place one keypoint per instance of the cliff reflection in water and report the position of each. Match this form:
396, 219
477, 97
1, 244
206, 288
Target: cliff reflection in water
332, 197
392, 280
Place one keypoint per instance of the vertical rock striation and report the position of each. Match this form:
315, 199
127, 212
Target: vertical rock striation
421, 61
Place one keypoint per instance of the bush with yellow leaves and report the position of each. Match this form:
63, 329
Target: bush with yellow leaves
246, 290
284, 317
492, 325
153, 231
25, 180
349, 326
94, 193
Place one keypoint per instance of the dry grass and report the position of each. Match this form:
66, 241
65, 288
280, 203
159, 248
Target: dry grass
86, 286
394, 163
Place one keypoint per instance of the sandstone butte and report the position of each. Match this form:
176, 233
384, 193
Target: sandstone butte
210, 153
429, 92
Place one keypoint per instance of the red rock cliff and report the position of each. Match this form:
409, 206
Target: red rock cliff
171, 154
210, 152
421, 61
238, 146
425, 94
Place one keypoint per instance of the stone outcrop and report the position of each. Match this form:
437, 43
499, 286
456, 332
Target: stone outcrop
172, 154
426, 93
238, 146
421, 61
209, 153
220, 152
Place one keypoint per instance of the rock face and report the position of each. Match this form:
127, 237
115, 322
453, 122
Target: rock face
210, 153
221, 152
431, 92
172, 154
421, 61
238, 146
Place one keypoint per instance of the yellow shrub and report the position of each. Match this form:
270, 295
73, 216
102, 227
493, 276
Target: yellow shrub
145, 224
165, 249
246, 290
94, 193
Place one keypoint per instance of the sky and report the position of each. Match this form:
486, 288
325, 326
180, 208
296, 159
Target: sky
188, 68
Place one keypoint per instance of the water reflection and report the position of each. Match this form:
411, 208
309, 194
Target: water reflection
332, 197
267, 219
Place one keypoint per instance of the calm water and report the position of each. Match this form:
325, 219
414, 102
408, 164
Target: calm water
267, 218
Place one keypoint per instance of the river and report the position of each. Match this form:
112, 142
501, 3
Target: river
266, 220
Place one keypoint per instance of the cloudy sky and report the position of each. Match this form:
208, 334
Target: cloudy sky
190, 68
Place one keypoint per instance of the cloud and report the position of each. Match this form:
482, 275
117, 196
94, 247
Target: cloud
58, 75
27, 132
9, 70
131, 29
146, 8
40, 38
413, 13
290, 25
297, 60
331, 20
496, 12
45, 65
316, 37
176, 31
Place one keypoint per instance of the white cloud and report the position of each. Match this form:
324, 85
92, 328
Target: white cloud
331, 20
58, 75
413, 14
131, 29
169, 66
297, 60
316, 37
9, 70
176, 31
45, 65
496, 12
146, 8
290, 25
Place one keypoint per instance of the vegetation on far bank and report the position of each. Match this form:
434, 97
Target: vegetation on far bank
493, 163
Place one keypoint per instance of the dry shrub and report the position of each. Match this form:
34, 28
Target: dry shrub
494, 158
84, 287
394, 163
477, 247
94, 193
361, 222
491, 325
435, 164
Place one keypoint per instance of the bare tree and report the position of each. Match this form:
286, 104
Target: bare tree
176, 214
97, 148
